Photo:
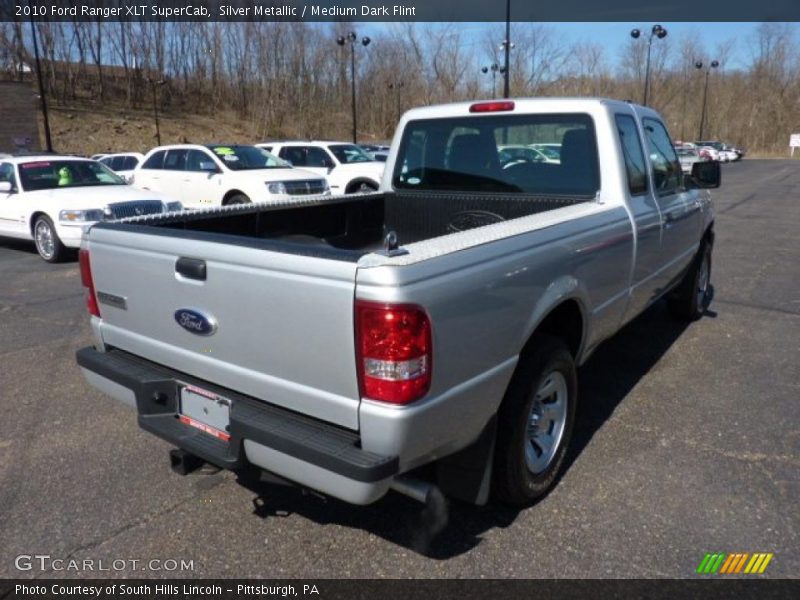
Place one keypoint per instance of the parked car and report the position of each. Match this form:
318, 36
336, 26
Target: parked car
550, 150
708, 153
721, 151
372, 148
53, 199
688, 156
347, 167
510, 155
123, 164
436, 324
221, 175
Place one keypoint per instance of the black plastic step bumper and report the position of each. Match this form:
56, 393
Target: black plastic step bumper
157, 391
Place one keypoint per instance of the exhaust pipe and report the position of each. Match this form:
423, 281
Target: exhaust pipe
434, 516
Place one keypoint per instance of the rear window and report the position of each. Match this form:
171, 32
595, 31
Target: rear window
500, 153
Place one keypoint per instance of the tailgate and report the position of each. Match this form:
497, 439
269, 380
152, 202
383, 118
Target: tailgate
284, 322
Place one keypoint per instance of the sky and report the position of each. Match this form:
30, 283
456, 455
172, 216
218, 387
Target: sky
614, 36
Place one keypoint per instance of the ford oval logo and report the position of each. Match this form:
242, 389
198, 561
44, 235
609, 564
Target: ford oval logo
195, 321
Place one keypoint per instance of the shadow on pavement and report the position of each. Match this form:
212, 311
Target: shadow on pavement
605, 381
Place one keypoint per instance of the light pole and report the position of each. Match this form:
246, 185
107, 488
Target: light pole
396, 86
699, 65
48, 140
342, 40
506, 46
659, 32
153, 84
494, 68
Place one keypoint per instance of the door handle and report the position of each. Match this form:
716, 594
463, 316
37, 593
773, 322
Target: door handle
191, 268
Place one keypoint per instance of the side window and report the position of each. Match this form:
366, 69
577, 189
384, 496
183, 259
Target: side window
295, 155
194, 158
317, 157
7, 173
633, 154
667, 174
129, 163
156, 161
175, 160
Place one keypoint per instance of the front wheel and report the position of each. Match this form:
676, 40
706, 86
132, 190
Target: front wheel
48, 244
535, 422
363, 187
238, 199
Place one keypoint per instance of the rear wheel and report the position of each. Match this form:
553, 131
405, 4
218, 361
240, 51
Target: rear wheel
238, 199
535, 422
48, 244
692, 297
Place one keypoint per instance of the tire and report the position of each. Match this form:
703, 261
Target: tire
361, 187
48, 244
525, 466
692, 297
237, 199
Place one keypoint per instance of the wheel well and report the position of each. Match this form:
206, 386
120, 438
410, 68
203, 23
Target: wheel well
359, 181
230, 195
566, 322
35, 216
708, 236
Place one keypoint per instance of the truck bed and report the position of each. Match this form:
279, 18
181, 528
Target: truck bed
345, 228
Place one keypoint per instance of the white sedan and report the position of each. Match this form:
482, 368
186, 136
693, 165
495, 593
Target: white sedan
53, 199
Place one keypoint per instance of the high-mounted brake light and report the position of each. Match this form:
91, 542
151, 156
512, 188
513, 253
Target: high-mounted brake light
394, 352
483, 107
88, 283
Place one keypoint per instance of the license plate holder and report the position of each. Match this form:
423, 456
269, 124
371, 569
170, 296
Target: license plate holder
206, 411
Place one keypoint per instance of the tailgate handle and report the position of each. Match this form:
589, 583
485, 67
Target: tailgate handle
191, 268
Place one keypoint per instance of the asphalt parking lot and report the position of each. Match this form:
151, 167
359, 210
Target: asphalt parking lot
688, 442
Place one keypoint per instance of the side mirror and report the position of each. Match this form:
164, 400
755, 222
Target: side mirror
706, 174
6, 187
208, 166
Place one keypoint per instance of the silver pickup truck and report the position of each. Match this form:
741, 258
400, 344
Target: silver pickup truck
424, 338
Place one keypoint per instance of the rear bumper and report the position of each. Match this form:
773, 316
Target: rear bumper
301, 449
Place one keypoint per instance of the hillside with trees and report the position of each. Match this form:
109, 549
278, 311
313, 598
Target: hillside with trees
256, 81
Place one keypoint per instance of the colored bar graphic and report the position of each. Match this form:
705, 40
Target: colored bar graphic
702, 567
718, 563
741, 562
764, 564
726, 564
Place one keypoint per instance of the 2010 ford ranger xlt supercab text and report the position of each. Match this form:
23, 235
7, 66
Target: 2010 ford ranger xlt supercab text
423, 338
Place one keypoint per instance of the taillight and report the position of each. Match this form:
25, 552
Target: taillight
394, 352
483, 107
88, 283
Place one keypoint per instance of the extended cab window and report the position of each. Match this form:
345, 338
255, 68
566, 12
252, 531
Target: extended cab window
156, 161
667, 174
501, 153
633, 154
